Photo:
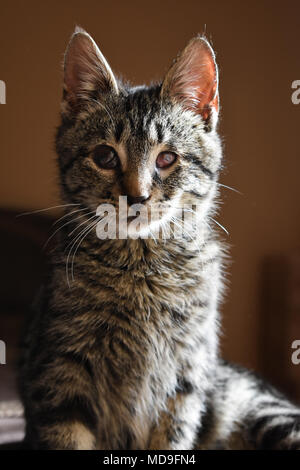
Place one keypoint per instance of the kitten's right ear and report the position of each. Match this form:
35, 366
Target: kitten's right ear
85, 71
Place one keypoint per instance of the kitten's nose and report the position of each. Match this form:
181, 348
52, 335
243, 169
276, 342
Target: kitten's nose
137, 199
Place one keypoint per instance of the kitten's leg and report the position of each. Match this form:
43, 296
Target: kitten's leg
248, 413
61, 410
178, 424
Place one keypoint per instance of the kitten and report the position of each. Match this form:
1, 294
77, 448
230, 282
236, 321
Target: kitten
123, 350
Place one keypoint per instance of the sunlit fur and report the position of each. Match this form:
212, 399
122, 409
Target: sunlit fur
122, 352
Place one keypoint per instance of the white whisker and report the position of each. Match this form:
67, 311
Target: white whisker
68, 214
229, 187
91, 227
46, 209
220, 225
73, 244
64, 225
82, 223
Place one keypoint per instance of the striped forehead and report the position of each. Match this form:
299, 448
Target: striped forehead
140, 125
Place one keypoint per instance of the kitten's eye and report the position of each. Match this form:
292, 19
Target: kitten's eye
166, 159
106, 157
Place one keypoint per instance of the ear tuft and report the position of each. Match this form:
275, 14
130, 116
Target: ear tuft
79, 29
193, 79
85, 71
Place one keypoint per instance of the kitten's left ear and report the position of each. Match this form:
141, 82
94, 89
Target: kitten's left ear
193, 80
85, 71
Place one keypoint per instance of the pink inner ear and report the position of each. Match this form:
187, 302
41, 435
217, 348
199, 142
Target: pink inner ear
194, 80
80, 65
86, 69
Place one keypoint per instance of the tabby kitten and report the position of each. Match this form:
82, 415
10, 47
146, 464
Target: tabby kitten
125, 354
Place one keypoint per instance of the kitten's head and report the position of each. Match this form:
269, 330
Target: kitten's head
154, 144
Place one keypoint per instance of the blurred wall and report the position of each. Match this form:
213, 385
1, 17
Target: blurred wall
257, 46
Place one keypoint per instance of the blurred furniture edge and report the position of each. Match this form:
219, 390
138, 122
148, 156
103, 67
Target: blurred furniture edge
23, 264
280, 321
12, 424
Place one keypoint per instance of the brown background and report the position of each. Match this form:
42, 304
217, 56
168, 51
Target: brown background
257, 46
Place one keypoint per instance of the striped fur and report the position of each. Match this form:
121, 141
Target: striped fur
126, 356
